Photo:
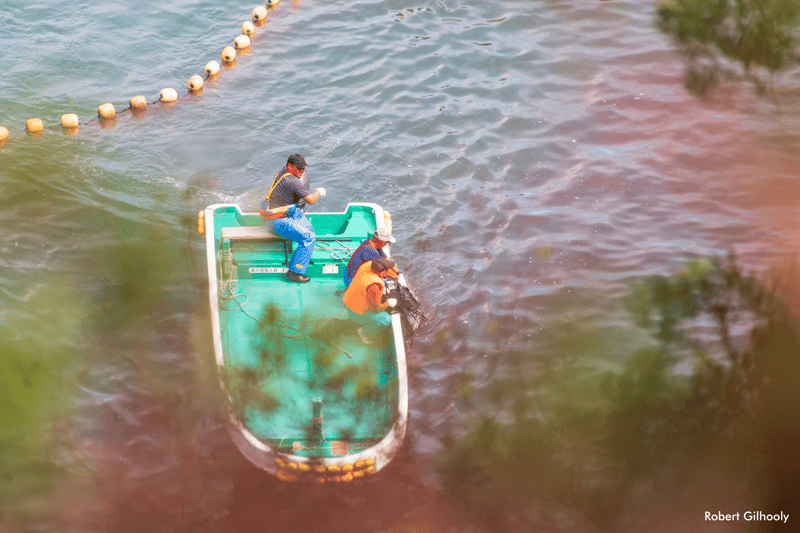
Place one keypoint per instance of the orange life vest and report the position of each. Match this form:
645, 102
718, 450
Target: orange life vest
355, 297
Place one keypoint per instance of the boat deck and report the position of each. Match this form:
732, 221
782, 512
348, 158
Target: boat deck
287, 345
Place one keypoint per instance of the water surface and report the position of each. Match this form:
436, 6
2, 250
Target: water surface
537, 157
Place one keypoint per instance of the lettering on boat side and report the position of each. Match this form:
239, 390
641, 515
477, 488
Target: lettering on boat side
330, 269
276, 270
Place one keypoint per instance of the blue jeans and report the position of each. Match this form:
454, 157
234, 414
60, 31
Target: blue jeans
296, 227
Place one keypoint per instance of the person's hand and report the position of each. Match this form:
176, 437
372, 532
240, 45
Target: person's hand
391, 293
321, 191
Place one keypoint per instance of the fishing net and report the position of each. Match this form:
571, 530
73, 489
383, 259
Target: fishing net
411, 316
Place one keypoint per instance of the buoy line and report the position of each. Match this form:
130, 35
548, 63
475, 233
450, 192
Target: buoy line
107, 113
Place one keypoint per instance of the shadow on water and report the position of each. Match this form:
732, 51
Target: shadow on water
705, 418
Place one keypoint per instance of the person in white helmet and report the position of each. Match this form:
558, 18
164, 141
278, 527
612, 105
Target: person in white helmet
368, 250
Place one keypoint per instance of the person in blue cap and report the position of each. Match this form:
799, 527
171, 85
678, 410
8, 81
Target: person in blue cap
368, 250
283, 210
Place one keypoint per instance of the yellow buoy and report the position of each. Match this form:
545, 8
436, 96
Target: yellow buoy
334, 469
242, 41
228, 54
70, 120
3, 133
195, 83
319, 468
201, 226
347, 477
248, 29
347, 468
304, 467
212, 68
106, 111
138, 102
168, 95
273, 3
34, 125
259, 14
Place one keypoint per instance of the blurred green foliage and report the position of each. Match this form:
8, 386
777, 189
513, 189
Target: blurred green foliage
28, 400
733, 39
260, 385
706, 416
34, 376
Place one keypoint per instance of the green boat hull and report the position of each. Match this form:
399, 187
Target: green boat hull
309, 399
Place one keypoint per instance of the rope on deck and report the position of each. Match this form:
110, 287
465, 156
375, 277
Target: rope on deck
341, 252
228, 291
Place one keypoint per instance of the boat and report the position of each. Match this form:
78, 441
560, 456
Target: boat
307, 398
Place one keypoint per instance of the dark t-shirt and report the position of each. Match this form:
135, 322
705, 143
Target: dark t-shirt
365, 253
289, 191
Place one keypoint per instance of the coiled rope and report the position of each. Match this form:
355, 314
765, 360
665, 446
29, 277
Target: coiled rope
229, 292
107, 113
340, 252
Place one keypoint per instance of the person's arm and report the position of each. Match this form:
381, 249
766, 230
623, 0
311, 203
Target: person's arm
316, 195
374, 297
